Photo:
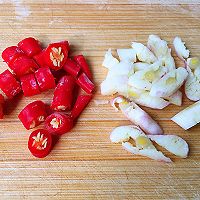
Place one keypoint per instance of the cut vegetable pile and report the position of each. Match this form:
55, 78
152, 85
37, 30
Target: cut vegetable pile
147, 76
34, 70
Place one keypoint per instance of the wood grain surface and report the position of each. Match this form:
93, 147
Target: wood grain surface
85, 164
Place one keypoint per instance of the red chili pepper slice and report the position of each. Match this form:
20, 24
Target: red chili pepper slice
81, 102
85, 83
11, 53
29, 85
1, 99
23, 65
58, 123
80, 59
56, 55
9, 85
72, 67
63, 94
30, 46
40, 59
1, 111
40, 143
45, 79
33, 114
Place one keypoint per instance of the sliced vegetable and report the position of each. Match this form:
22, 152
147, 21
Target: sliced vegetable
172, 143
175, 98
80, 105
121, 68
56, 55
145, 78
33, 114
1, 111
157, 46
11, 53
136, 115
30, 46
45, 79
109, 60
143, 53
169, 83
40, 143
80, 59
23, 65
188, 117
63, 94
58, 123
192, 84
143, 147
9, 85
128, 55
72, 67
40, 59
115, 84
85, 83
143, 98
180, 48
29, 85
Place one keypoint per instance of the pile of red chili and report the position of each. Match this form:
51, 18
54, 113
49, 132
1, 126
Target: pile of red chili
34, 70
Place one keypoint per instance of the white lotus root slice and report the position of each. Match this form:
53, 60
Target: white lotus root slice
175, 98
180, 48
157, 46
115, 84
109, 61
143, 53
143, 146
145, 78
169, 83
173, 143
136, 115
127, 55
188, 117
121, 68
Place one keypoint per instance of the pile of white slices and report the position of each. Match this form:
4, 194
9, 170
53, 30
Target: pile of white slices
147, 76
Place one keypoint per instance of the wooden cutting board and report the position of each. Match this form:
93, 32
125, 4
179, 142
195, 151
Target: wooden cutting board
85, 164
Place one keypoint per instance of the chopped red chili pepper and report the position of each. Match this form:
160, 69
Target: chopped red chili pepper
80, 59
29, 85
23, 65
56, 55
45, 79
81, 102
1, 111
40, 143
9, 85
1, 99
58, 74
71, 67
33, 114
11, 53
40, 59
58, 123
30, 46
63, 94
85, 83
